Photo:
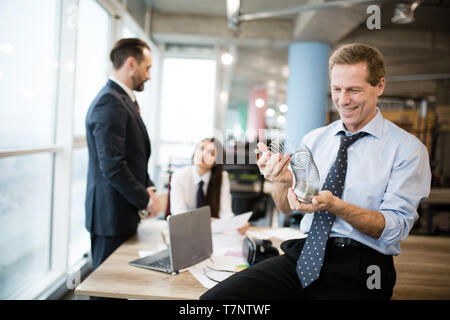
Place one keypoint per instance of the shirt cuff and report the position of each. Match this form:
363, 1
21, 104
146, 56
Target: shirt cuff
391, 232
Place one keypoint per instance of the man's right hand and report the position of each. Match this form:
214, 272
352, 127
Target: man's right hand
274, 167
153, 205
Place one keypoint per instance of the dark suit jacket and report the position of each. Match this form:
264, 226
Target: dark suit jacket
119, 149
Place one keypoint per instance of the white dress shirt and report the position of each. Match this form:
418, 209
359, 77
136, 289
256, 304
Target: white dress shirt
129, 92
183, 192
388, 170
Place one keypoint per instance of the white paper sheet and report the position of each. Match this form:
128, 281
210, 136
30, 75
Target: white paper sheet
228, 244
214, 268
230, 224
279, 233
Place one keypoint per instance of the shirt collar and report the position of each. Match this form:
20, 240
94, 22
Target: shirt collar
373, 127
198, 178
129, 92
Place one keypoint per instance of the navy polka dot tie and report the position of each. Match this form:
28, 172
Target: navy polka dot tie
311, 258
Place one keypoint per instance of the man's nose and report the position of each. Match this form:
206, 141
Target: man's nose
344, 98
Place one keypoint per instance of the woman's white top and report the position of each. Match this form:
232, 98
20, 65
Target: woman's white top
183, 192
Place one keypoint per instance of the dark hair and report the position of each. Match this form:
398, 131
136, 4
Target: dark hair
356, 53
215, 182
128, 47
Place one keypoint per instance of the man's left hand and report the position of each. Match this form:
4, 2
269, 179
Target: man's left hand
323, 201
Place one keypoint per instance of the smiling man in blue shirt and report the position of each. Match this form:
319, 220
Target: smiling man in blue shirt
374, 175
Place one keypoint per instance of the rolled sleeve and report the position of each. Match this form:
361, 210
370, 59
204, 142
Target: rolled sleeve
409, 184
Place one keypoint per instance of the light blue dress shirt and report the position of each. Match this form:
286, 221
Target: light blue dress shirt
388, 170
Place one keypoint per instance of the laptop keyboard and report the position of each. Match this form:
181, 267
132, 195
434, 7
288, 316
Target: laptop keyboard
162, 264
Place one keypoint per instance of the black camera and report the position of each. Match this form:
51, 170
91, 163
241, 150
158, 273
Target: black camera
256, 250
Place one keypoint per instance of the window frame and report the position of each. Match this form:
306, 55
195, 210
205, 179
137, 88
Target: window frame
65, 142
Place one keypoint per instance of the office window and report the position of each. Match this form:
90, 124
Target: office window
25, 219
187, 105
128, 33
91, 75
79, 236
28, 67
92, 58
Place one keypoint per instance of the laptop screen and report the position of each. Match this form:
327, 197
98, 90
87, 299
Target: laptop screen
190, 237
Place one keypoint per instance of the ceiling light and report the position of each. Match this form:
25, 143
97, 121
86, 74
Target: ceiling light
404, 13
281, 119
270, 112
283, 108
259, 103
227, 58
224, 96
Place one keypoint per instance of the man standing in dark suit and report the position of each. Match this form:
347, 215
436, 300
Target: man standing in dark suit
119, 190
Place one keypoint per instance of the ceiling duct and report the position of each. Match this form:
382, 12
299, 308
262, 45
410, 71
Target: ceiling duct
233, 7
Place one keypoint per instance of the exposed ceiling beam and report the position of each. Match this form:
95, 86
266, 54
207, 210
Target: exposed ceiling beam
321, 25
213, 30
303, 8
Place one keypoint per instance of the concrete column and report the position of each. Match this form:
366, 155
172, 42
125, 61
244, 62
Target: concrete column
307, 89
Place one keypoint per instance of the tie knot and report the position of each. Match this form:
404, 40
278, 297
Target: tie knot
200, 184
346, 141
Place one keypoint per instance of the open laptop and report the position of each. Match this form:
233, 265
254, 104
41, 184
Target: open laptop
190, 242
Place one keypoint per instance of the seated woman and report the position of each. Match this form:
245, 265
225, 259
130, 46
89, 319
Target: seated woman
203, 183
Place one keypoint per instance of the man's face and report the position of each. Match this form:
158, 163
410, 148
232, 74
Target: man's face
354, 97
141, 71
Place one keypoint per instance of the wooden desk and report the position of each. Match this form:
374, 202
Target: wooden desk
423, 271
114, 278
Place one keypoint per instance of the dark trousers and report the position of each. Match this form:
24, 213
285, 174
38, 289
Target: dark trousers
103, 246
345, 275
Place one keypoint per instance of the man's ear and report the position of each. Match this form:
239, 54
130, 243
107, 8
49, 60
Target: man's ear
381, 85
130, 62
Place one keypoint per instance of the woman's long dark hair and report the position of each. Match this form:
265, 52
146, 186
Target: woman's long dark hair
215, 182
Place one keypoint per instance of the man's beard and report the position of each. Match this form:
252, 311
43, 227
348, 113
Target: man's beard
138, 86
